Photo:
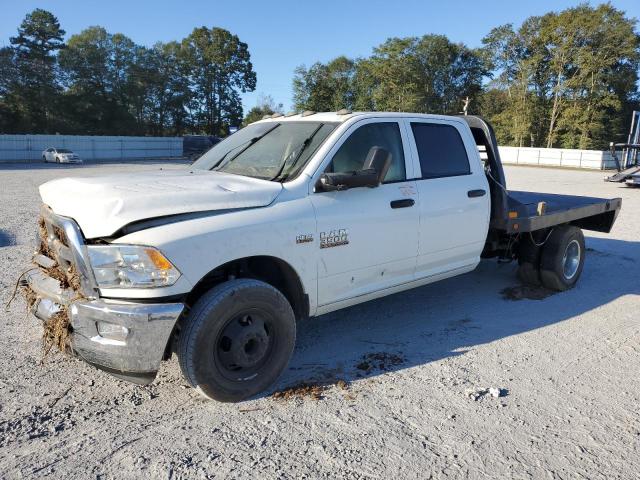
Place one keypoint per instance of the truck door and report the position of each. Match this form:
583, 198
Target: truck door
454, 196
368, 236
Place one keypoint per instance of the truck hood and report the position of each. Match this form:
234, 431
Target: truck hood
102, 205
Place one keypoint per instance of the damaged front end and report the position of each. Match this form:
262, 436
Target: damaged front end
126, 339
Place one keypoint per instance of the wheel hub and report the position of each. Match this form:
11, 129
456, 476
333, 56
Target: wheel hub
571, 259
244, 343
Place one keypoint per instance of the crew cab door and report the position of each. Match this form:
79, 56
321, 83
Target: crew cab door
368, 236
454, 196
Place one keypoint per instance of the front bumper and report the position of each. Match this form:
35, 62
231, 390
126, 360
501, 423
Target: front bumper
143, 329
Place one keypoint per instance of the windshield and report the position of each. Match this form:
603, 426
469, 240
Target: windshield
269, 150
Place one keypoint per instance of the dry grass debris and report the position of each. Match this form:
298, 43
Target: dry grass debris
308, 390
56, 333
301, 391
382, 361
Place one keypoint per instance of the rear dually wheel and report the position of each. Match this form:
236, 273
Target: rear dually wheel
562, 258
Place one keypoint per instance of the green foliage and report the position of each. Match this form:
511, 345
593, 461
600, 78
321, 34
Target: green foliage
563, 79
218, 66
568, 79
264, 106
103, 83
32, 82
427, 74
325, 87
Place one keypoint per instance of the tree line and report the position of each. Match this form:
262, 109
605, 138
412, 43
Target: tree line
567, 79
564, 79
101, 83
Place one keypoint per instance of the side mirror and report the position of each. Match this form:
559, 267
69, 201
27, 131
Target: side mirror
375, 168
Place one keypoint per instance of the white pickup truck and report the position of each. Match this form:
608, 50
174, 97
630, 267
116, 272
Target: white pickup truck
291, 217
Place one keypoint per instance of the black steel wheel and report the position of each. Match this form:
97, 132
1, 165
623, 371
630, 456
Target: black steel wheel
237, 340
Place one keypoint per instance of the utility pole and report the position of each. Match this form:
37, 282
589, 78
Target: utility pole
465, 106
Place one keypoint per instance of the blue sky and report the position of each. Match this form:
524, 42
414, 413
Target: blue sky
284, 34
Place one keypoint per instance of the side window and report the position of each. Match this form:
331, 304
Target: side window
441, 150
353, 152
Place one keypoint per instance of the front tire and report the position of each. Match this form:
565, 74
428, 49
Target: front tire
562, 258
237, 340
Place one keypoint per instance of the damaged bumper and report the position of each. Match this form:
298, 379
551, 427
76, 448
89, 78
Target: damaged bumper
125, 339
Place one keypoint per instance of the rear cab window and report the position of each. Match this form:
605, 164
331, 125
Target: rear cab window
441, 150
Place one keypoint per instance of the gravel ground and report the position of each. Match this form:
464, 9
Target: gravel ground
415, 369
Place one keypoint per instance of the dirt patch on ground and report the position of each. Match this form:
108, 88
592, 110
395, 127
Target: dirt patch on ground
301, 391
381, 361
308, 390
526, 292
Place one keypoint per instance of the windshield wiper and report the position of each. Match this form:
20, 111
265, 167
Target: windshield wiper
246, 145
302, 147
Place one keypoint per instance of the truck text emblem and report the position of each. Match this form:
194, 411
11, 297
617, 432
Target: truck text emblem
334, 238
305, 238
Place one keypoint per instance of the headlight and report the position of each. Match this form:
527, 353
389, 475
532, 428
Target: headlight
131, 266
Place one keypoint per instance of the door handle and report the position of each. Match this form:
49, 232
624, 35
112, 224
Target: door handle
404, 203
476, 193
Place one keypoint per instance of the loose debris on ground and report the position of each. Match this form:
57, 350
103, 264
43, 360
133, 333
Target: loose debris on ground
528, 292
382, 361
302, 391
377, 361
480, 393
314, 391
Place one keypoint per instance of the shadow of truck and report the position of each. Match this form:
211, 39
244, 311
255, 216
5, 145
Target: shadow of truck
448, 318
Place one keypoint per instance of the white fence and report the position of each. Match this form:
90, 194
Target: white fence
557, 157
28, 148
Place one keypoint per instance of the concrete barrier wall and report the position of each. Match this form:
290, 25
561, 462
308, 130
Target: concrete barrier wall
557, 157
28, 148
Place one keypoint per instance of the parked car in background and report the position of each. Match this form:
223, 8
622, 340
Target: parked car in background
193, 146
60, 155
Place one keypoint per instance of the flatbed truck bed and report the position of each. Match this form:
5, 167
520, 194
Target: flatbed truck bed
526, 215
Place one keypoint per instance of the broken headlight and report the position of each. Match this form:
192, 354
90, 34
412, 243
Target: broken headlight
131, 266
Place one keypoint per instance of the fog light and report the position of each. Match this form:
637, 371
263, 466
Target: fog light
112, 331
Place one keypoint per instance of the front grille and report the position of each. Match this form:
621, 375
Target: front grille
54, 246
61, 242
